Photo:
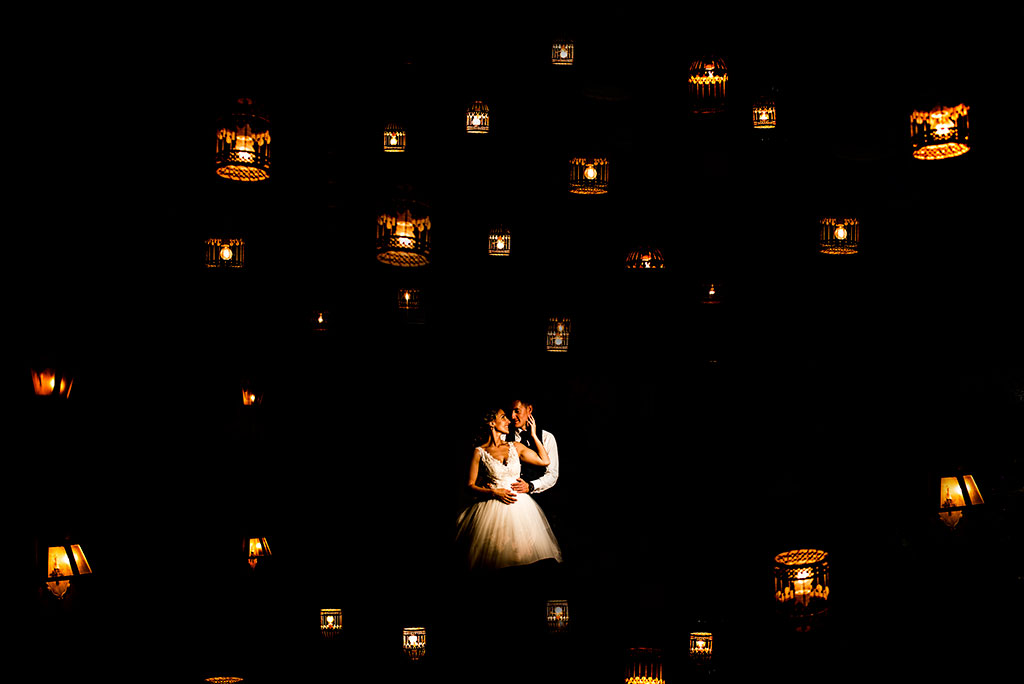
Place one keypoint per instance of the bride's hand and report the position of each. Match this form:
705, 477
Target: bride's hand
532, 422
504, 495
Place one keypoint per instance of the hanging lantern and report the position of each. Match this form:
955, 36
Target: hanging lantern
499, 241
408, 299
224, 679
801, 585
588, 176
644, 666
645, 257
700, 646
225, 253
941, 133
394, 138
258, 548
764, 114
243, 144
403, 234
561, 53
707, 82
839, 236
558, 615
330, 622
952, 502
319, 321
51, 383
478, 118
710, 294
251, 396
414, 642
558, 334
63, 564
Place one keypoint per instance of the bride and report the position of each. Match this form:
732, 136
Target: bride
504, 528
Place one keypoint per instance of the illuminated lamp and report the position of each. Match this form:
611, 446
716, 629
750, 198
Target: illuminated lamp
224, 679
394, 138
408, 299
801, 585
225, 253
251, 396
588, 176
258, 548
941, 133
710, 294
499, 241
558, 615
952, 502
63, 564
478, 118
707, 83
330, 622
764, 114
320, 321
51, 383
558, 334
403, 234
839, 236
701, 644
645, 257
561, 53
644, 666
243, 144
414, 642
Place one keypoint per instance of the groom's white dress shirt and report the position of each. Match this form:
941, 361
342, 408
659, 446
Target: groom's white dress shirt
550, 476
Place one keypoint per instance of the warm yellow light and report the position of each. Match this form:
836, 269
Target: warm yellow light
476, 120
226, 253
840, 233
711, 290
564, 53
320, 318
500, 244
394, 140
590, 173
246, 148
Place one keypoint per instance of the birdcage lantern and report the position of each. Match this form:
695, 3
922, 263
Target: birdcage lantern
394, 138
499, 241
557, 615
645, 257
562, 53
764, 114
952, 501
558, 334
478, 118
403, 234
701, 645
414, 642
940, 133
588, 176
259, 549
644, 666
243, 144
707, 83
64, 563
801, 585
408, 299
839, 236
330, 623
225, 253
51, 383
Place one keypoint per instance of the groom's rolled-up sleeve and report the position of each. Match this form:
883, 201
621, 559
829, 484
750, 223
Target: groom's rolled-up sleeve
550, 476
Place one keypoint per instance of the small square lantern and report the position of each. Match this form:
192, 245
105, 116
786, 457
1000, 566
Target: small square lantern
63, 564
764, 114
645, 257
588, 176
51, 383
558, 334
408, 299
644, 666
258, 548
414, 642
243, 144
394, 138
701, 644
707, 83
225, 253
801, 585
561, 53
942, 133
499, 241
558, 615
839, 236
478, 118
952, 502
330, 622
403, 234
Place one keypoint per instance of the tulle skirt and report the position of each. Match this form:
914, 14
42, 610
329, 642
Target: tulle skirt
495, 535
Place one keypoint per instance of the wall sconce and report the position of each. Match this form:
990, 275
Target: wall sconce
764, 114
941, 133
51, 383
258, 548
952, 502
478, 118
558, 615
707, 82
229, 253
499, 241
63, 564
644, 666
801, 585
243, 144
394, 138
561, 53
701, 644
558, 334
588, 176
403, 234
330, 622
645, 257
414, 642
839, 236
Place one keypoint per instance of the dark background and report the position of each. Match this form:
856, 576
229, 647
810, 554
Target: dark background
816, 406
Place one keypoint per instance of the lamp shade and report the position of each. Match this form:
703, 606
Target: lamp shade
557, 615
414, 642
499, 241
940, 133
562, 52
330, 622
644, 666
243, 144
957, 494
645, 257
63, 563
258, 549
701, 646
764, 114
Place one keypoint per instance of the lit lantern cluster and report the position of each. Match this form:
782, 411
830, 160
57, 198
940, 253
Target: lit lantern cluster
941, 133
952, 502
645, 257
644, 666
478, 118
243, 144
63, 564
558, 334
225, 253
51, 383
801, 584
403, 234
588, 176
414, 642
839, 236
707, 83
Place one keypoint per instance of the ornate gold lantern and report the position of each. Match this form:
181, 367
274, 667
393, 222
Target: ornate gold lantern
225, 253
330, 622
952, 502
764, 114
394, 138
243, 144
707, 83
499, 241
839, 236
561, 53
558, 615
258, 548
414, 642
403, 234
51, 383
408, 299
645, 257
701, 644
63, 564
941, 133
558, 334
588, 176
801, 585
644, 666
478, 118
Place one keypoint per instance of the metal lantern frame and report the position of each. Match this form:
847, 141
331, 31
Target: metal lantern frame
403, 233
225, 253
557, 612
644, 666
394, 138
50, 382
588, 175
764, 114
839, 235
258, 549
952, 501
478, 118
65, 562
801, 585
558, 332
499, 241
414, 642
645, 257
701, 646
243, 144
562, 52
707, 82
330, 623
940, 133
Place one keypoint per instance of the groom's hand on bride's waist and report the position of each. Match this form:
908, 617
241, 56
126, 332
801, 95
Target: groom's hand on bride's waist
521, 486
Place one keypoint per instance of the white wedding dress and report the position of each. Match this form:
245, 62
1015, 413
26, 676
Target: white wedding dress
499, 535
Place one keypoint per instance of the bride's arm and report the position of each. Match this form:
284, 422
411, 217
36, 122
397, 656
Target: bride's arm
504, 495
528, 455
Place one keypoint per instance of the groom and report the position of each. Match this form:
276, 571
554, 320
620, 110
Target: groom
534, 479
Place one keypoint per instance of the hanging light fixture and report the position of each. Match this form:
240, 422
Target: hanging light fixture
414, 642
764, 114
588, 175
408, 299
258, 548
645, 257
63, 564
952, 502
839, 236
320, 321
644, 666
701, 644
562, 53
224, 679
558, 615
394, 138
801, 585
707, 83
330, 622
243, 144
710, 294
941, 133
51, 383
499, 241
225, 253
250, 395
558, 334
478, 118
403, 233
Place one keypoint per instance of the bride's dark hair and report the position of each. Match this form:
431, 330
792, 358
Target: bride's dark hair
483, 431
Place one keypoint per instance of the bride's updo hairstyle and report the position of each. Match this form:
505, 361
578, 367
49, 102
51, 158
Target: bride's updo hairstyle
483, 432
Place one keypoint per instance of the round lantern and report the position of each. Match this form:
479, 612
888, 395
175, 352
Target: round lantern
243, 144
941, 133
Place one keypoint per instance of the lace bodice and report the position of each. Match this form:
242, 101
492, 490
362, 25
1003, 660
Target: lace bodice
499, 474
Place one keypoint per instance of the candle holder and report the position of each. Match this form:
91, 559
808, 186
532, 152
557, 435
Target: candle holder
394, 138
478, 118
839, 236
940, 133
319, 321
588, 176
243, 144
952, 502
414, 642
711, 293
330, 623
801, 586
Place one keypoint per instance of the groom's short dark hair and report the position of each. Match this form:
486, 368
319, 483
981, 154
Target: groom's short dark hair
523, 399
